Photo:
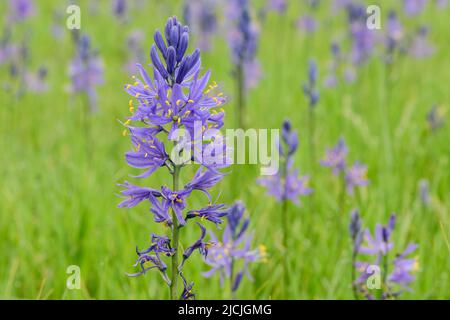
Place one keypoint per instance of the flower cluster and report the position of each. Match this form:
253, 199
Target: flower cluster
243, 38
336, 159
394, 280
176, 98
86, 71
20, 10
200, 16
234, 247
286, 184
310, 88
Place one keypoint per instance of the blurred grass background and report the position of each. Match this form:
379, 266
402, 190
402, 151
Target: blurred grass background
58, 195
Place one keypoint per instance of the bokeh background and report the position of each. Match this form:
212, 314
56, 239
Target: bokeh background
58, 196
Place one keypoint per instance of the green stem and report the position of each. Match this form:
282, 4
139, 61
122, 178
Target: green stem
311, 126
355, 291
175, 237
285, 232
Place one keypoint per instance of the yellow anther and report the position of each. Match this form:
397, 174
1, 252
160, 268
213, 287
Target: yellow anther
220, 94
138, 95
169, 112
146, 155
128, 86
179, 102
126, 123
125, 132
179, 120
136, 83
146, 86
222, 110
138, 147
188, 112
130, 103
190, 101
168, 102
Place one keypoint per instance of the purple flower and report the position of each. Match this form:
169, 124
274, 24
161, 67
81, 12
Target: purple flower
35, 82
413, 7
243, 38
356, 175
394, 33
175, 97
277, 5
336, 157
306, 23
421, 46
235, 247
379, 246
119, 8
200, 245
188, 293
21, 9
310, 88
86, 71
363, 39
287, 184
200, 16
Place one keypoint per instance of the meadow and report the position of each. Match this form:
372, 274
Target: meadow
62, 164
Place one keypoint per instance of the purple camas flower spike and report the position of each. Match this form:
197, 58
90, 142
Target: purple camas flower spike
86, 71
175, 97
310, 88
414, 7
379, 246
336, 157
234, 249
356, 175
20, 10
200, 16
286, 183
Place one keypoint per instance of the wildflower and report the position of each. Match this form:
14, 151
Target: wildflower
200, 16
20, 10
234, 248
413, 7
336, 157
287, 185
363, 39
356, 175
277, 5
379, 246
306, 23
421, 46
176, 97
310, 88
35, 81
86, 71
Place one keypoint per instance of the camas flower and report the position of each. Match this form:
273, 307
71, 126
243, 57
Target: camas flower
421, 46
379, 246
356, 175
336, 157
200, 16
243, 38
286, 184
310, 88
279, 6
21, 9
86, 71
176, 97
363, 39
234, 248
413, 7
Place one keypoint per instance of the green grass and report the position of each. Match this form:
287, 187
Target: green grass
58, 197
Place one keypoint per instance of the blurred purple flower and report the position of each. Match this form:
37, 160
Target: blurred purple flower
379, 246
310, 88
436, 118
356, 175
200, 16
234, 248
414, 7
277, 5
86, 72
286, 184
424, 192
421, 46
21, 9
307, 23
35, 82
336, 157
